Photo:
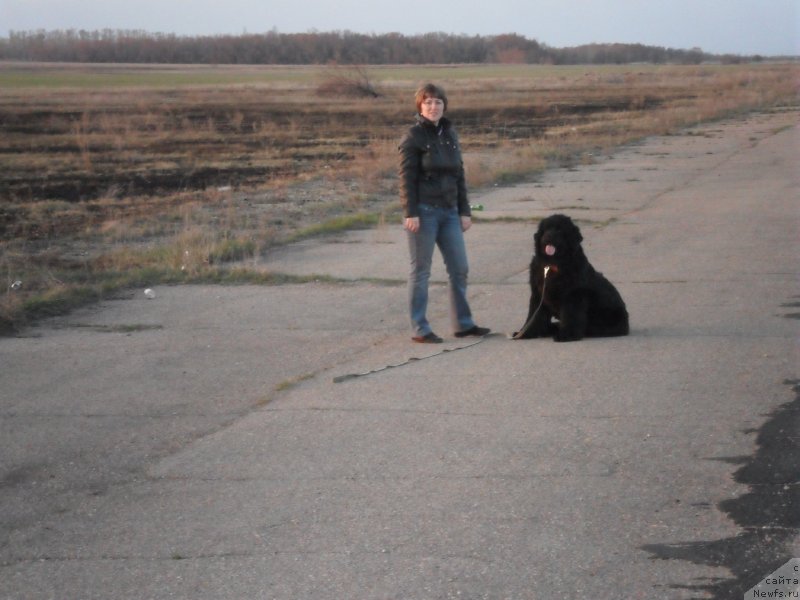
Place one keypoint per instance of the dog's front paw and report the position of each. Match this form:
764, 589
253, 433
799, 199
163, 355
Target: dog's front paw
527, 334
523, 335
566, 336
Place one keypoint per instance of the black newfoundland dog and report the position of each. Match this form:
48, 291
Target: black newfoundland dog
565, 287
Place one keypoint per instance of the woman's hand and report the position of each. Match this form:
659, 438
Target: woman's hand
466, 223
411, 224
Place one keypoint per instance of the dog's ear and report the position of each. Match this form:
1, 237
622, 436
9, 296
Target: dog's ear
538, 234
575, 232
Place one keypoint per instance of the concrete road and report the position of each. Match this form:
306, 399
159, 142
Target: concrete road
291, 442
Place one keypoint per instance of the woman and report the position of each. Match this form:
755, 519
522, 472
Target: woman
434, 197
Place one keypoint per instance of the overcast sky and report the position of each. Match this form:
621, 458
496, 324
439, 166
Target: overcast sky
767, 27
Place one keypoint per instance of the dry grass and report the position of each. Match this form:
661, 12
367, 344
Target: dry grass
105, 185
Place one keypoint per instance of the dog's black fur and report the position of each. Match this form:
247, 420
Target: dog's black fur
581, 300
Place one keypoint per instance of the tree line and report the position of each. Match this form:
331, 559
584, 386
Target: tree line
339, 47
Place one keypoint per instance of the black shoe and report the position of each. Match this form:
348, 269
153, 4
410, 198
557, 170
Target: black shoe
428, 338
474, 330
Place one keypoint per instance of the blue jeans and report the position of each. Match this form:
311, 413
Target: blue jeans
438, 227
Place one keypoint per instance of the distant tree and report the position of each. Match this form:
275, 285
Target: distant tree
340, 47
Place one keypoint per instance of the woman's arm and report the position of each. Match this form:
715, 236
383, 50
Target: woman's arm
409, 175
463, 201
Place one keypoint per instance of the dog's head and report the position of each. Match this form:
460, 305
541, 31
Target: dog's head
557, 239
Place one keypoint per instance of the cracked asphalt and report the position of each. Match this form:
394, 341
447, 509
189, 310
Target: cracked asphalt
291, 442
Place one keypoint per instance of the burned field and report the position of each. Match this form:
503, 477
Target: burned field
82, 146
250, 156
111, 143
161, 144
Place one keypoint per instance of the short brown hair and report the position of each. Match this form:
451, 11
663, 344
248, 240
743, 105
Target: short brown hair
429, 90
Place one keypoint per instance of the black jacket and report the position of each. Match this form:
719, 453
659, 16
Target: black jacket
431, 168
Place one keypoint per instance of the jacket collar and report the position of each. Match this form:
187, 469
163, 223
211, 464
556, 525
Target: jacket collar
444, 122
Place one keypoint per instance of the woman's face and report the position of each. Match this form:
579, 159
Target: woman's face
432, 109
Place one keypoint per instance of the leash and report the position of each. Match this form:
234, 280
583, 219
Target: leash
529, 322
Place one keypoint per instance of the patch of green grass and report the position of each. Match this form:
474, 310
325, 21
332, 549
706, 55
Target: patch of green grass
59, 301
782, 129
337, 225
84, 290
88, 76
607, 223
502, 219
382, 281
142, 76
133, 328
245, 276
294, 382
79, 291
232, 249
